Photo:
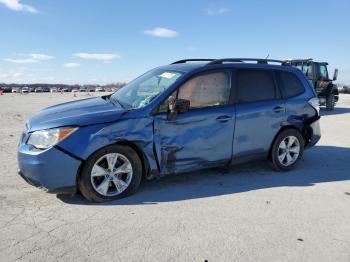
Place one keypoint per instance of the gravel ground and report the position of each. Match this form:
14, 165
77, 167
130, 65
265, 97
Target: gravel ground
248, 214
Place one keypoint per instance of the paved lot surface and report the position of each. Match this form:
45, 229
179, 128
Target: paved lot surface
248, 214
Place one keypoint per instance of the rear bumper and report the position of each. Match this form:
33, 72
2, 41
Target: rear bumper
315, 133
51, 170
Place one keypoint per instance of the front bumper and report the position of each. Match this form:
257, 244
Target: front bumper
51, 170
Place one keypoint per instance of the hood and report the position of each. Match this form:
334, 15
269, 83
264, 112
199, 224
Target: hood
83, 112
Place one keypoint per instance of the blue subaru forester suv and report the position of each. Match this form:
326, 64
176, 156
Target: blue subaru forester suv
192, 114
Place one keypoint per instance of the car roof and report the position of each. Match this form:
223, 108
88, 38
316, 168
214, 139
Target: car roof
189, 67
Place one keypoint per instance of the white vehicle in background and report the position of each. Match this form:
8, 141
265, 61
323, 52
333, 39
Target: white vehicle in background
99, 89
82, 89
75, 90
16, 90
53, 90
25, 90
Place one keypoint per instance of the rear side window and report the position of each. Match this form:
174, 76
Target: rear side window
255, 85
290, 84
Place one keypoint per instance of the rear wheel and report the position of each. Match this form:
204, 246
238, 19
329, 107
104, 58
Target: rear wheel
111, 173
287, 150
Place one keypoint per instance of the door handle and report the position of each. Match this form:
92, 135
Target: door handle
223, 118
278, 109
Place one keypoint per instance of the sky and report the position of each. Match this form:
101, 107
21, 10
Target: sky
106, 41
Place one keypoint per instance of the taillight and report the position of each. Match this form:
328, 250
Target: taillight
315, 103
323, 84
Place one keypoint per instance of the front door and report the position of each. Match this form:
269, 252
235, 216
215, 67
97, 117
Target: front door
201, 137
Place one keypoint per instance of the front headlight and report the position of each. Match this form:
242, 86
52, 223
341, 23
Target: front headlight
43, 139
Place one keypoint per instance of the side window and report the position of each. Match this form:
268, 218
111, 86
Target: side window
255, 85
211, 89
323, 72
290, 84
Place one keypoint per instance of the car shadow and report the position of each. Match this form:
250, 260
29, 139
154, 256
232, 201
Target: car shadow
336, 111
320, 164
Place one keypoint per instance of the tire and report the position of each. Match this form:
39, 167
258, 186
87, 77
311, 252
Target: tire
277, 150
330, 102
101, 180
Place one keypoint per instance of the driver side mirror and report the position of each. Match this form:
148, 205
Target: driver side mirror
335, 76
177, 106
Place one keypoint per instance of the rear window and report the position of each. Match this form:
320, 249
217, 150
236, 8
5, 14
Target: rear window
290, 84
255, 85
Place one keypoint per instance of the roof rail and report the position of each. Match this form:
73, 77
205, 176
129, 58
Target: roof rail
192, 60
242, 60
298, 60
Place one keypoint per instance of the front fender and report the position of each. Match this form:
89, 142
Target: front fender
87, 140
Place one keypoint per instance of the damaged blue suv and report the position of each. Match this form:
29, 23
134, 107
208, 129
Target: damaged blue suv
189, 115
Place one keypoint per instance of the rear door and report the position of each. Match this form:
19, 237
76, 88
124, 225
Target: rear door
260, 112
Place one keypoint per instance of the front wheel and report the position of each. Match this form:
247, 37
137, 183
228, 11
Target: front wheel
111, 173
287, 150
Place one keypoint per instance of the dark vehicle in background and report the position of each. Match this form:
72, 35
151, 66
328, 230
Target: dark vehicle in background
38, 90
82, 89
173, 119
317, 74
65, 90
346, 89
90, 89
6, 89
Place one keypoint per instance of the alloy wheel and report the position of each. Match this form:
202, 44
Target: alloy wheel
111, 174
288, 150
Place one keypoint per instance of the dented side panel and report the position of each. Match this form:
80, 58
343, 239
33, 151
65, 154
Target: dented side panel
138, 131
196, 139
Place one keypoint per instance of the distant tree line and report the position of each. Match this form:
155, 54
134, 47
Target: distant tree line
114, 85
8, 87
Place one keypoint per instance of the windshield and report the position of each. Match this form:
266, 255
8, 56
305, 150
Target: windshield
145, 88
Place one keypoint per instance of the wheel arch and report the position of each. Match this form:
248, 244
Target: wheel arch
139, 152
302, 128
134, 146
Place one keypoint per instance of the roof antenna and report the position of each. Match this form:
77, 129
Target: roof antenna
267, 56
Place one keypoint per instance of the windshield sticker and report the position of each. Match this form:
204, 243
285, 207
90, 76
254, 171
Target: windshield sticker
168, 75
